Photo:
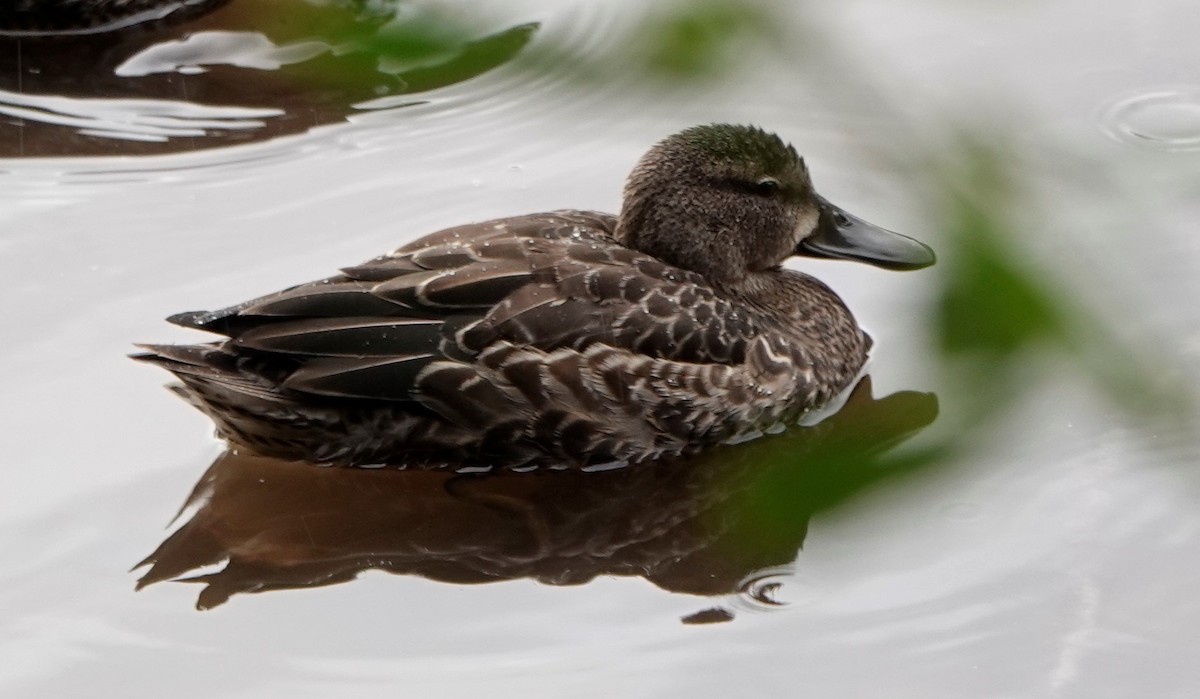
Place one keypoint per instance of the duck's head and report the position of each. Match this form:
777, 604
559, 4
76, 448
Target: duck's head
729, 201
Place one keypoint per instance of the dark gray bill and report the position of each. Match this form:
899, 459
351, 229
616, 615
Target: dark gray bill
842, 236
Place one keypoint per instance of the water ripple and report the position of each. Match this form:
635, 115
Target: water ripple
767, 590
146, 120
1166, 120
242, 73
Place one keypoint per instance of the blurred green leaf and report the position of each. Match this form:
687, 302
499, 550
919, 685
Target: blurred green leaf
472, 59
999, 312
812, 469
990, 305
699, 39
377, 50
414, 40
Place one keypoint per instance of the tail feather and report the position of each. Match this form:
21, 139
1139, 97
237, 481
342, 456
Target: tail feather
210, 373
224, 321
197, 360
193, 319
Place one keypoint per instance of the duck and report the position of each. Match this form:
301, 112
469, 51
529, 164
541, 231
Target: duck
561, 339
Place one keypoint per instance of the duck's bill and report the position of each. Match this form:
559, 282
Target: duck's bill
842, 236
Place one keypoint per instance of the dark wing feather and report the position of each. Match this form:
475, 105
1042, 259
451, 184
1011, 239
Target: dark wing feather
548, 281
366, 377
328, 299
345, 337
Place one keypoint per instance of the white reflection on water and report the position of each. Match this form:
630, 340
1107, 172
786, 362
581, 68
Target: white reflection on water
191, 54
1074, 574
145, 120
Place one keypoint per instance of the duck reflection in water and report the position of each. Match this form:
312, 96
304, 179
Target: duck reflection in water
702, 525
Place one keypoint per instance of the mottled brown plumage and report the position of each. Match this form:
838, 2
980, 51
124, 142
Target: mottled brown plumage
558, 339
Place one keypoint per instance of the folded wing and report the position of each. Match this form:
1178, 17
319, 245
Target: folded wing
547, 281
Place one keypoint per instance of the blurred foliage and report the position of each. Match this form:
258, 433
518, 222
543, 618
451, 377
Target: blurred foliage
990, 308
685, 42
814, 469
389, 46
701, 38
1000, 313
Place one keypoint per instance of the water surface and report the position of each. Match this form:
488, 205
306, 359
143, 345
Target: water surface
1048, 550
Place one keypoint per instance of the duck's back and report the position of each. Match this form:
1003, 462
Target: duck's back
534, 339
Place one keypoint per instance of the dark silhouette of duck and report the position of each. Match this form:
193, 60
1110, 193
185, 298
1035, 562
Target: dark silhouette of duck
558, 339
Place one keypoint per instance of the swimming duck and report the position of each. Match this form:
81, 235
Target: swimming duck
570, 338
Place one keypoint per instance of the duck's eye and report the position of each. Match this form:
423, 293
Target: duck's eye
767, 187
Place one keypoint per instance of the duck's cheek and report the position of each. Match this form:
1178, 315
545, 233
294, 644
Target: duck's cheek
805, 225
